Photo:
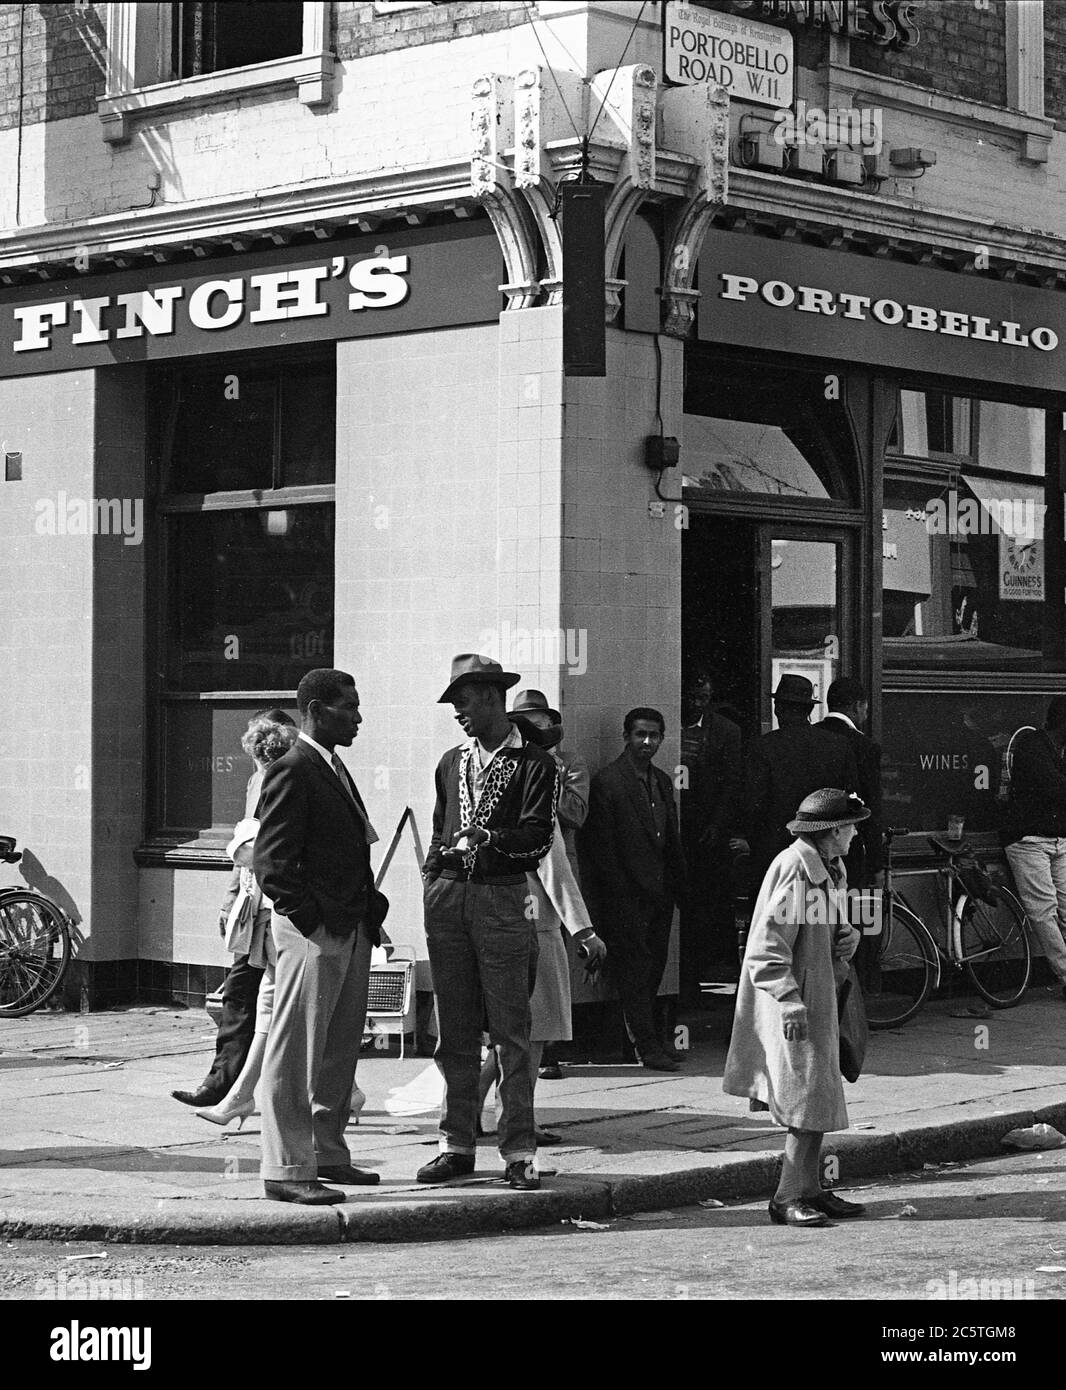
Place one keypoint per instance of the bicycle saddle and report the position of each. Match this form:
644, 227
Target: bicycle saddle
952, 848
8, 853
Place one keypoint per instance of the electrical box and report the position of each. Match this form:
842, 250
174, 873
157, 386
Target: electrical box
845, 166
807, 159
762, 152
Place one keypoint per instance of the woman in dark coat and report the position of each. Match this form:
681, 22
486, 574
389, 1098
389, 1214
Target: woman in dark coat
784, 1051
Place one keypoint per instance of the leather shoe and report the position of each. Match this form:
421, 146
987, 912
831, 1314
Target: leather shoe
552, 1072
544, 1138
201, 1097
658, 1061
800, 1212
308, 1194
445, 1167
348, 1176
835, 1206
673, 1053
522, 1175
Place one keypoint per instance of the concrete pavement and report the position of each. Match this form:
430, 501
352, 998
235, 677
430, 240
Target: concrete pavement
92, 1147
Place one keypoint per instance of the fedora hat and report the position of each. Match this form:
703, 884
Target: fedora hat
468, 668
795, 690
534, 702
826, 810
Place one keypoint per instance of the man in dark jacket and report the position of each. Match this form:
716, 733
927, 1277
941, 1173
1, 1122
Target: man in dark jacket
312, 860
710, 816
1035, 831
786, 765
632, 875
848, 706
494, 818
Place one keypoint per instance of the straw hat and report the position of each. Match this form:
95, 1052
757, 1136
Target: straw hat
826, 810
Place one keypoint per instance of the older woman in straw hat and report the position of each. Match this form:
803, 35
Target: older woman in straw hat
784, 1052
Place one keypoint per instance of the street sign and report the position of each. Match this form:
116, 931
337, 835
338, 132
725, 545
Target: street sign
753, 62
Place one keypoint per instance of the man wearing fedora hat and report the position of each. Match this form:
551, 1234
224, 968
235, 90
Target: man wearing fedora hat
573, 770
785, 766
493, 820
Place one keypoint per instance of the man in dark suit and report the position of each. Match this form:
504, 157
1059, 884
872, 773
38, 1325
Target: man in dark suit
848, 706
632, 875
710, 812
786, 765
312, 860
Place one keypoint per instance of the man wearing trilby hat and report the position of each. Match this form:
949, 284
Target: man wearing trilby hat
493, 820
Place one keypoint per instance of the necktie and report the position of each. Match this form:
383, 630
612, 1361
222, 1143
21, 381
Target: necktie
339, 769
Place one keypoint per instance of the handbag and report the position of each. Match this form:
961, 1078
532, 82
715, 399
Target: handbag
241, 919
854, 1027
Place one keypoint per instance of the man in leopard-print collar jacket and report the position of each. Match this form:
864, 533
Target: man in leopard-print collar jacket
493, 821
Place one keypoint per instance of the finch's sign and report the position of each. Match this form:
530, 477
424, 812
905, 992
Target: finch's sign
389, 283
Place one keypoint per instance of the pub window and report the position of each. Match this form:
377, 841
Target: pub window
750, 429
243, 450
963, 539
213, 37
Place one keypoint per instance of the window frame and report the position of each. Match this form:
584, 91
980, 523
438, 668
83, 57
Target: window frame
164, 844
139, 48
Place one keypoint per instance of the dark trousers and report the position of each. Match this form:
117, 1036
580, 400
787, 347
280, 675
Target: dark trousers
236, 1027
638, 942
483, 951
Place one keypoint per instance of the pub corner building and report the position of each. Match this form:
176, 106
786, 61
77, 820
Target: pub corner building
306, 359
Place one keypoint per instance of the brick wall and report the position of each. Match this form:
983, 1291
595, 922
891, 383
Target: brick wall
357, 30
59, 71
962, 51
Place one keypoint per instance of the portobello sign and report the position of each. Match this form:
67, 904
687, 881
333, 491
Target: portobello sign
777, 295
389, 283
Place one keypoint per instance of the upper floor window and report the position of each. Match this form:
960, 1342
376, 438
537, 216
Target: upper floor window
213, 37
166, 58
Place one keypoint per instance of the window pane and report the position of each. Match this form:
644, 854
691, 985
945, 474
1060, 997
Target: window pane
963, 574
933, 423
1011, 438
943, 755
255, 33
223, 430
738, 456
803, 589
308, 424
251, 598
205, 771
754, 428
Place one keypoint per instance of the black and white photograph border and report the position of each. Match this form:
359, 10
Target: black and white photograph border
533, 755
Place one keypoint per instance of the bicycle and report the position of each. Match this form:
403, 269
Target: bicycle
986, 936
35, 944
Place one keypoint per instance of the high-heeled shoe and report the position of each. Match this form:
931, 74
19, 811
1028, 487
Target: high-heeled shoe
358, 1101
221, 1114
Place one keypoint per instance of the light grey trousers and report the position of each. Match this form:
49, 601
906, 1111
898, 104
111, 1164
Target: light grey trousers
320, 993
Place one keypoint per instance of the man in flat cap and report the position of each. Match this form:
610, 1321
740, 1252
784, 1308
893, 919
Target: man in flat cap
493, 820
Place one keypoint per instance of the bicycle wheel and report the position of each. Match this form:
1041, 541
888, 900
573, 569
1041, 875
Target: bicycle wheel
34, 952
994, 946
896, 968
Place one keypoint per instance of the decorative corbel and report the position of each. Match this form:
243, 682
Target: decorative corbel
491, 122
696, 122
532, 179
628, 98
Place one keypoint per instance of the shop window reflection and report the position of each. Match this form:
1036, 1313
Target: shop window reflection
964, 546
750, 430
